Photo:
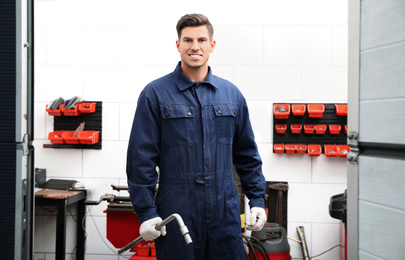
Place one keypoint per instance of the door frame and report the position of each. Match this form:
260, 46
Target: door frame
353, 129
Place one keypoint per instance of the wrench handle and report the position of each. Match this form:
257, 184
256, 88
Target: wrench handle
127, 247
183, 230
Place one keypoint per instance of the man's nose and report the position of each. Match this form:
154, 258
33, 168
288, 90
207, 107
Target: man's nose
195, 46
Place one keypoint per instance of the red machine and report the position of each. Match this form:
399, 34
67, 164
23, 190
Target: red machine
123, 225
271, 242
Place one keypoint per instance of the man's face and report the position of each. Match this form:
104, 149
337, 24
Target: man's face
195, 46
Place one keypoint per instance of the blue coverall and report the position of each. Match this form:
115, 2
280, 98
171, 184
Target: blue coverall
194, 132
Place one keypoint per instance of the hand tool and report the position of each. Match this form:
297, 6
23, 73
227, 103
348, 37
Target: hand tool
280, 187
183, 230
304, 247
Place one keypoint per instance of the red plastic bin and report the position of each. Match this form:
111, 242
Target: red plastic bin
68, 137
316, 110
289, 148
320, 129
55, 112
300, 148
278, 148
296, 129
56, 137
143, 249
153, 250
71, 112
298, 109
314, 150
281, 114
334, 129
87, 107
331, 150
88, 137
341, 110
309, 129
343, 150
280, 129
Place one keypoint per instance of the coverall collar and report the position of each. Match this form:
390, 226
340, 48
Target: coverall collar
184, 83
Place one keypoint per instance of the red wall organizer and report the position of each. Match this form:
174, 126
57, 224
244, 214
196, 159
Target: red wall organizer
66, 121
310, 128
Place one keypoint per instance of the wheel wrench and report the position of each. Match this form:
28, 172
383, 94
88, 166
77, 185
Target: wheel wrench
183, 230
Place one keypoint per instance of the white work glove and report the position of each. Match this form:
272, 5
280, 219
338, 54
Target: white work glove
257, 219
148, 229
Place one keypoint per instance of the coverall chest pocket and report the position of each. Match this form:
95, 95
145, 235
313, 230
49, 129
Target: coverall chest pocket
225, 116
178, 125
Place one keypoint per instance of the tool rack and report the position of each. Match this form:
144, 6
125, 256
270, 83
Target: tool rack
69, 120
312, 128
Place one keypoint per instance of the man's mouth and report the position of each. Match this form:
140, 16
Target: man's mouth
195, 55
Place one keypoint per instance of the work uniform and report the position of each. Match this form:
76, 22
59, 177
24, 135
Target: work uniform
194, 132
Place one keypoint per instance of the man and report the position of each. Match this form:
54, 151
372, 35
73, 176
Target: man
193, 126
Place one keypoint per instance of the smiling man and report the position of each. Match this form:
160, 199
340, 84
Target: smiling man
194, 126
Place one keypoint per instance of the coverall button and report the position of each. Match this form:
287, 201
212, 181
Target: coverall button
199, 179
166, 114
219, 111
189, 113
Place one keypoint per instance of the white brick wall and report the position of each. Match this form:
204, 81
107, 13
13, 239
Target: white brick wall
275, 51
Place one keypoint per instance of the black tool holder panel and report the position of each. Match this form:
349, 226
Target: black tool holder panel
329, 118
93, 123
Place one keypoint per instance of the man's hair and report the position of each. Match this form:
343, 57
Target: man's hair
194, 20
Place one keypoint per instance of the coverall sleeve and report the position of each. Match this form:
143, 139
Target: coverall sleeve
143, 156
246, 159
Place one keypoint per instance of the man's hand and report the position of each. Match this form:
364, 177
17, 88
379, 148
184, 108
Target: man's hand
148, 229
257, 219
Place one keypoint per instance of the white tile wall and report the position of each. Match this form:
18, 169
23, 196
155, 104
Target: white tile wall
126, 115
298, 45
250, 45
274, 51
324, 83
269, 82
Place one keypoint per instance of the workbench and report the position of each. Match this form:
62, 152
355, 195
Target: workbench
61, 199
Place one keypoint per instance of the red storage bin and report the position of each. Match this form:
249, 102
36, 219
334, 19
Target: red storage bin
289, 148
316, 110
341, 110
331, 150
281, 113
153, 250
56, 137
88, 137
300, 148
334, 129
71, 112
343, 150
280, 129
68, 137
314, 150
320, 129
55, 112
278, 148
296, 129
87, 107
298, 109
309, 129
143, 249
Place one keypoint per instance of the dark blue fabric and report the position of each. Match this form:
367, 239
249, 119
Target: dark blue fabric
194, 132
